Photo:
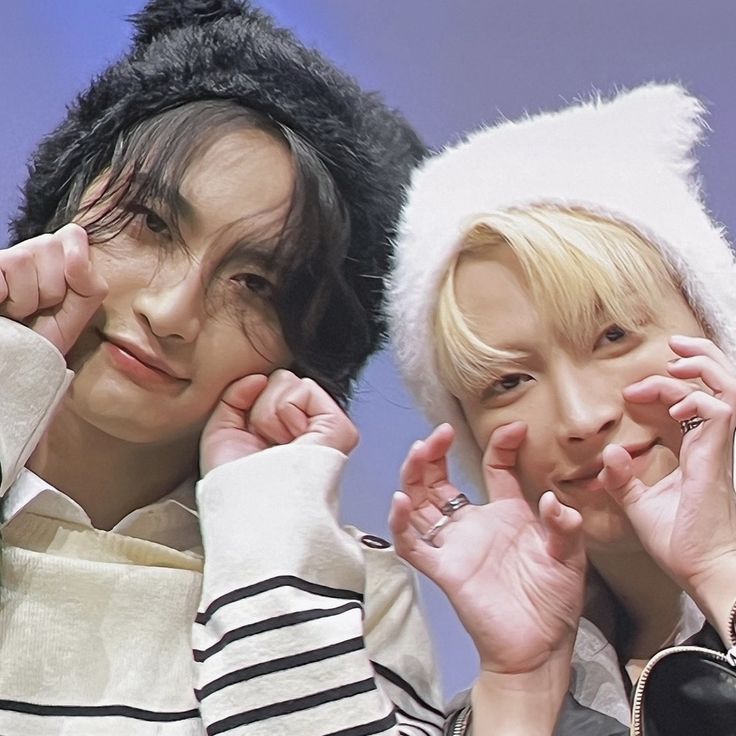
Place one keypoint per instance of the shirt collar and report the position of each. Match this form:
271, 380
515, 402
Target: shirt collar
171, 521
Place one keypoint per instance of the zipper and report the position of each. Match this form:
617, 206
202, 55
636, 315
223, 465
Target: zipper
728, 658
459, 726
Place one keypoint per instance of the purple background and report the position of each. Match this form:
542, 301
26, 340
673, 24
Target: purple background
450, 66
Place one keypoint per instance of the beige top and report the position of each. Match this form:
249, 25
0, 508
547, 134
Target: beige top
290, 625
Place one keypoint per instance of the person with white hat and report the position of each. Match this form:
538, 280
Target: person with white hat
564, 306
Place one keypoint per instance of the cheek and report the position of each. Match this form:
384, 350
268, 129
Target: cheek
534, 461
126, 271
225, 354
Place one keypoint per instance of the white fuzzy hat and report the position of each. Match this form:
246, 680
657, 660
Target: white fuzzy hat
629, 159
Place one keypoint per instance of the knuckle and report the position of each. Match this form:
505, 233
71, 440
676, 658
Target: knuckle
281, 375
21, 258
311, 384
73, 233
724, 410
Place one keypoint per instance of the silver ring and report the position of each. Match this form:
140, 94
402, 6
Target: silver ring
688, 425
449, 508
432, 532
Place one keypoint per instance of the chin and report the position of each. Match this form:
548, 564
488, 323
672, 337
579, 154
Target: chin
610, 534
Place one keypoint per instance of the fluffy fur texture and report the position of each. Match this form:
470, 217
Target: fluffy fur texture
630, 158
186, 50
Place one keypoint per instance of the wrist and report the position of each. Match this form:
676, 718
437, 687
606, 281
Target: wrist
521, 703
714, 591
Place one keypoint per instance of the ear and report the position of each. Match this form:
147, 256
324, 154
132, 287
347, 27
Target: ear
663, 124
159, 16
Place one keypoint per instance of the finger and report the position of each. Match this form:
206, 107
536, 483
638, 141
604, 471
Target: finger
499, 462
662, 389
21, 283
713, 374
707, 407
3, 288
327, 424
292, 404
50, 274
686, 347
424, 473
707, 450
564, 528
85, 293
264, 417
433, 449
412, 482
710, 440
617, 476
243, 393
293, 419
409, 546
79, 272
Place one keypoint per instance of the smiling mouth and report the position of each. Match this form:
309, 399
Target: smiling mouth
136, 366
589, 476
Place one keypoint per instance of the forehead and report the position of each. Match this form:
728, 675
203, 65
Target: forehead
493, 296
244, 177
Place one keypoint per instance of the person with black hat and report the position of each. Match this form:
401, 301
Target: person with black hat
194, 281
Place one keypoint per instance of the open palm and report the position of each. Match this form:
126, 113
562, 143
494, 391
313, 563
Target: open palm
515, 579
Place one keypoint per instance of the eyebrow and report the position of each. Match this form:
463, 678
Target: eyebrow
169, 195
249, 253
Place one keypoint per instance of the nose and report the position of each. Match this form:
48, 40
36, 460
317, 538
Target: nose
172, 302
589, 405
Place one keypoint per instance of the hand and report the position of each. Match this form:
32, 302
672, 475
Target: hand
48, 283
516, 580
686, 521
257, 412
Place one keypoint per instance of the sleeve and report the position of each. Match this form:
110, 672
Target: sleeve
574, 720
298, 632
34, 378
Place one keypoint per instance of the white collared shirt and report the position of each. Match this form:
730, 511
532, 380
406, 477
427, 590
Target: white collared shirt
171, 521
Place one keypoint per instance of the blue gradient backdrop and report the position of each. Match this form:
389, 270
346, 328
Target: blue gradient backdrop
450, 66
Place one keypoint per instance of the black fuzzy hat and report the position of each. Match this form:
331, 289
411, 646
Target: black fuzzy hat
187, 50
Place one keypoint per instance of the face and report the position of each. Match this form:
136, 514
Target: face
181, 324
570, 399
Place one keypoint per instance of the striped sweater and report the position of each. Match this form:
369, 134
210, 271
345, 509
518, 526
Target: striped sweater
290, 624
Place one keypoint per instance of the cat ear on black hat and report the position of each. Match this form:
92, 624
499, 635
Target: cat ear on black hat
159, 16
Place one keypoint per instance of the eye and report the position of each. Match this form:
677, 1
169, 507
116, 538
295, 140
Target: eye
255, 283
507, 383
151, 221
155, 223
611, 334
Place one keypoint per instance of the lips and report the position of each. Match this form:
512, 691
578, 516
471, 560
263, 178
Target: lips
140, 362
590, 471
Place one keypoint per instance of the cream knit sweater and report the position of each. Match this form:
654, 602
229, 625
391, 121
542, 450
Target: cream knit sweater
290, 625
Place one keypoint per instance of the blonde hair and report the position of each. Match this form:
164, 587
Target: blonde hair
582, 270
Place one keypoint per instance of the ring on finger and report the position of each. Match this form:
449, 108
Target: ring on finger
432, 532
455, 503
690, 424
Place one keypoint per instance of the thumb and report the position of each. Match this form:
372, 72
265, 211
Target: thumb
85, 291
499, 462
225, 436
618, 477
564, 527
